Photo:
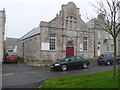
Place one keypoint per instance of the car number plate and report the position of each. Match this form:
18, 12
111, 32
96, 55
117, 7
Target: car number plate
12, 58
100, 59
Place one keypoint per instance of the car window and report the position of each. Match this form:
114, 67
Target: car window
73, 58
79, 58
109, 56
12, 54
101, 56
112, 56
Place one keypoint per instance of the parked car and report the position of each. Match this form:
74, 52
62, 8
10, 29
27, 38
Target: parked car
107, 59
10, 57
70, 62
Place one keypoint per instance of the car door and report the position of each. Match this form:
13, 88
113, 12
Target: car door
111, 58
80, 61
71, 62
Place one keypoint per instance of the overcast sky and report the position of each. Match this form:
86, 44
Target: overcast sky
24, 15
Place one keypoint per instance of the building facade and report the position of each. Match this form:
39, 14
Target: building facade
103, 40
65, 35
11, 44
2, 30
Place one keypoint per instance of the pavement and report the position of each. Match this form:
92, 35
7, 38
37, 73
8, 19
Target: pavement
25, 76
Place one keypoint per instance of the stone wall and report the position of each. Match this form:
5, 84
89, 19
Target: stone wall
2, 29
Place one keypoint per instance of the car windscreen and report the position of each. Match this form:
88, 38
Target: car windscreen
65, 59
11, 54
102, 56
106, 56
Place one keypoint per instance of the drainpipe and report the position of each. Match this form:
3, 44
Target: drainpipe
62, 30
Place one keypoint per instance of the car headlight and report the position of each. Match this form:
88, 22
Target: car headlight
57, 64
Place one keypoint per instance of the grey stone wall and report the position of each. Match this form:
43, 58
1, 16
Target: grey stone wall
63, 35
57, 26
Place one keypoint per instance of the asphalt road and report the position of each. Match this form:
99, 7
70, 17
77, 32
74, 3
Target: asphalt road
25, 76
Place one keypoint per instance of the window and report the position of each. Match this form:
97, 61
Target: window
99, 34
71, 22
107, 47
108, 36
52, 40
73, 58
74, 24
66, 23
85, 42
111, 47
79, 58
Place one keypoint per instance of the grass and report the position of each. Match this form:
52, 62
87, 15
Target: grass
95, 80
21, 61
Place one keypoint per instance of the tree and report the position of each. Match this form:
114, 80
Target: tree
111, 25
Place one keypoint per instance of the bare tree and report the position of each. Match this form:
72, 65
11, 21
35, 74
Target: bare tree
111, 25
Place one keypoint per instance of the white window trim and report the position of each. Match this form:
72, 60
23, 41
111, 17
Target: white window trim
55, 42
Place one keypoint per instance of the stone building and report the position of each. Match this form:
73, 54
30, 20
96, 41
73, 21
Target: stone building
2, 30
103, 41
65, 35
11, 44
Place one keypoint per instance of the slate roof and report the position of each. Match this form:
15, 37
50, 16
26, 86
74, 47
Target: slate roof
33, 32
2, 13
92, 23
11, 41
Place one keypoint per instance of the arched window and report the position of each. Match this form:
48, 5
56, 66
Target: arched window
71, 22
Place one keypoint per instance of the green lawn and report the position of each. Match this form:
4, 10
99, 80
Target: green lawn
21, 62
95, 80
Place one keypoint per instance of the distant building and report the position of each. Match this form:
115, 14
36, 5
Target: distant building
65, 35
11, 44
103, 41
2, 30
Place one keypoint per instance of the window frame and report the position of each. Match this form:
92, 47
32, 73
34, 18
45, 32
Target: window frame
71, 22
85, 40
52, 42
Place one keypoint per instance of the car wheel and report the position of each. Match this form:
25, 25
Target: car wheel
118, 61
84, 65
16, 62
108, 63
64, 67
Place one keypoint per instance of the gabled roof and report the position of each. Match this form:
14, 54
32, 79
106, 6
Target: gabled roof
2, 13
33, 32
92, 23
11, 41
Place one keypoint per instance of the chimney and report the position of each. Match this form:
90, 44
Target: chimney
3, 9
101, 17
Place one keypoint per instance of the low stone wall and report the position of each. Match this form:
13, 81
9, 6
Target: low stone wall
47, 63
44, 63
93, 61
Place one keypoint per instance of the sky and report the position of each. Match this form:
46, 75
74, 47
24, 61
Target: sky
24, 15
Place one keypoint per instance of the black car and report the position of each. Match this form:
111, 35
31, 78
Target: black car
70, 62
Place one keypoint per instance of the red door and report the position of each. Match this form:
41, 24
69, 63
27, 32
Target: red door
69, 51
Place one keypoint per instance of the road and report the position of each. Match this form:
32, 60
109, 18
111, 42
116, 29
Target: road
25, 76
